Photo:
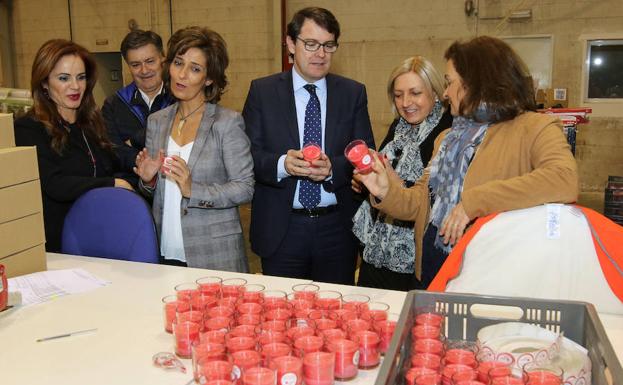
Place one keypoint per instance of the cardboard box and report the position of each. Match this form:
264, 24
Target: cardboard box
21, 234
550, 97
7, 135
19, 165
20, 200
25, 262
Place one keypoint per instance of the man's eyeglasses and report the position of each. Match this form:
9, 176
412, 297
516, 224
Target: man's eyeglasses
313, 45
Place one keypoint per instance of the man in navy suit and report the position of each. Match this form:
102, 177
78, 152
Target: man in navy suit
302, 211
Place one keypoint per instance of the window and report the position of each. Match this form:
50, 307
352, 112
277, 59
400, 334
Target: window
604, 62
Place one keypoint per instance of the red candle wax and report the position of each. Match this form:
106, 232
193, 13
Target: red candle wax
324, 324
171, 304
385, 329
332, 334
271, 336
507, 380
208, 352
299, 331
360, 157
428, 346
460, 356
232, 291
432, 319
428, 379
187, 295
356, 306
249, 319
318, 368
470, 382
425, 331
342, 316
220, 311
190, 316
278, 314
413, 373
374, 315
346, 358
464, 375
450, 370
308, 344
214, 336
542, 377
486, 366
302, 303
252, 297
259, 376
356, 325
236, 344
243, 331
218, 382
276, 325
311, 152
202, 303
212, 289
426, 360
289, 370
328, 303
218, 323
185, 334
369, 355
244, 360
274, 350
214, 370
230, 302
271, 303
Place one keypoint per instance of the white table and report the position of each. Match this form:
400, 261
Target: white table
128, 316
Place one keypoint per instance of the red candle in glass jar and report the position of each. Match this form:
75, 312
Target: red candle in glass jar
220, 311
413, 373
495, 372
253, 293
271, 336
185, 334
428, 379
542, 377
218, 323
450, 370
232, 287
358, 154
429, 318
249, 308
311, 151
355, 326
425, 331
324, 324
249, 319
305, 291
333, 334
259, 376
277, 314
296, 332
244, 360
236, 344
301, 304
346, 358
214, 370
275, 299
426, 360
202, 302
279, 326
318, 368
243, 331
274, 350
342, 316
208, 352
289, 370
485, 367
460, 356
210, 286
218, 382
187, 291
308, 344
171, 304
385, 329
355, 302
190, 316
214, 336
507, 380
230, 302
464, 376
428, 346
374, 315
328, 300
369, 355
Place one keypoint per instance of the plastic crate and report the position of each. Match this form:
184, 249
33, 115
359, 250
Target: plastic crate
577, 320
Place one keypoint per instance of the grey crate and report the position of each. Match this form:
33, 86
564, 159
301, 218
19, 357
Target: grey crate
577, 320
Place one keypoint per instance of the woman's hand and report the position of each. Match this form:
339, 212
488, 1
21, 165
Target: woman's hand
391, 173
146, 166
376, 181
454, 225
123, 184
178, 171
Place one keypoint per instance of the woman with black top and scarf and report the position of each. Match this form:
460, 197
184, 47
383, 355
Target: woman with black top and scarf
73, 151
415, 90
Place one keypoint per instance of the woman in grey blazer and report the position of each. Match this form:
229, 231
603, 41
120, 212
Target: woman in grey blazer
208, 170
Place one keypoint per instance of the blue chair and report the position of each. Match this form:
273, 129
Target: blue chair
111, 222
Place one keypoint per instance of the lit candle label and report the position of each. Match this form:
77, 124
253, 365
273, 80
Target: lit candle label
356, 358
235, 373
289, 379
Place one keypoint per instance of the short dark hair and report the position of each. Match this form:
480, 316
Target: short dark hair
138, 38
493, 74
213, 47
322, 17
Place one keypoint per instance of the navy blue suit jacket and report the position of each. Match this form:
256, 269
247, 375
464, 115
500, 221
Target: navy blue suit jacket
270, 119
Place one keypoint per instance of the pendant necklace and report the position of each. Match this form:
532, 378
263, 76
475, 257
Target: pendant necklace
183, 119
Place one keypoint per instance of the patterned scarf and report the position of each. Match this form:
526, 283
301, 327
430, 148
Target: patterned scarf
449, 166
388, 241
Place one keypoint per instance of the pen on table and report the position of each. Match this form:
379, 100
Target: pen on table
66, 335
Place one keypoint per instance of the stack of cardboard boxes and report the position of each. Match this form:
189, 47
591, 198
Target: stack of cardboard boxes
22, 237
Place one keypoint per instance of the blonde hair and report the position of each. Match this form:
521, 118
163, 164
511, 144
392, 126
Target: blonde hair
422, 67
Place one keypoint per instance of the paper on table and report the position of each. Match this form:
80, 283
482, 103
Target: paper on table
46, 285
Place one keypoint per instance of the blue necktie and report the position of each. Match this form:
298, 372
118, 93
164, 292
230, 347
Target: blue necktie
309, 192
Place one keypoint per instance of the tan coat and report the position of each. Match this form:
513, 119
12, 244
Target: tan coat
520, 163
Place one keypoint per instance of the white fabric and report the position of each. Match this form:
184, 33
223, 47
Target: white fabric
146, 98
514, 255
171, 239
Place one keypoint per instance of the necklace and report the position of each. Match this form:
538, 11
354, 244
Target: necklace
183, 118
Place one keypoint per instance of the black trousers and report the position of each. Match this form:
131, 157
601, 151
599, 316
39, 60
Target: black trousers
383, 278
316, 248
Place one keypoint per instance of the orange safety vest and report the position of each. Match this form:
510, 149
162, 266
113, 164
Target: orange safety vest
607, 238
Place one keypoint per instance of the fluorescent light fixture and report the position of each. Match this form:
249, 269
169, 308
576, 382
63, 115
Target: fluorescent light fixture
521, 14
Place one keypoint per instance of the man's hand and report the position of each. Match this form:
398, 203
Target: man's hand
295, 165
321, 168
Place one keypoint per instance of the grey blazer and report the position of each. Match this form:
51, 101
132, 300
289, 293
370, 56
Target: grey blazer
221, 169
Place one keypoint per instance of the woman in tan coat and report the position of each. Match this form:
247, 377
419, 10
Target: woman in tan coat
499, 155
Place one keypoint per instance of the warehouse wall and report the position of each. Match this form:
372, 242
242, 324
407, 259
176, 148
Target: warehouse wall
376, 36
